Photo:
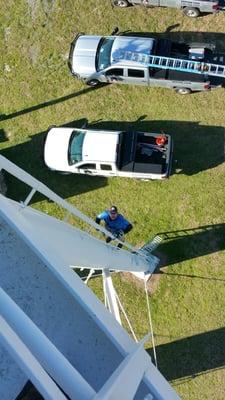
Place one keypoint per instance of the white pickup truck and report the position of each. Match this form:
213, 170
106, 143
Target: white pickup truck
128, 154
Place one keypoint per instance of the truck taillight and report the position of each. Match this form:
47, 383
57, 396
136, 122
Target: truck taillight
207, 86
215, 6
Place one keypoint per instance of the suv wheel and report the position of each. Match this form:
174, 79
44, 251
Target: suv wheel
121, 3
191, 12
93, 82
183, 90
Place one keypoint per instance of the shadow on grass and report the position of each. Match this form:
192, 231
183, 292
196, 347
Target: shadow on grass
188, 36
192, 356
191, 243
28, 110
3, 137
196, 147
29, 156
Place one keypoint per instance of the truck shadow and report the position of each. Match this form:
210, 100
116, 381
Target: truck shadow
192, 356
192, 37
196, 147
29, 156
191, 243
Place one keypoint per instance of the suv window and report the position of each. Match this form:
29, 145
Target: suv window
136, 73
115, 71
88, 166
106, 167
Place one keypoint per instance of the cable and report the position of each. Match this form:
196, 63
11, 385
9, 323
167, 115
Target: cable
126, 317
150, 322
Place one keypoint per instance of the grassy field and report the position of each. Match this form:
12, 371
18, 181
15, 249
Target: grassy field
37, 91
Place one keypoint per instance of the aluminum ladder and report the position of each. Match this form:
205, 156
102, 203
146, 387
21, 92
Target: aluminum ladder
177, 64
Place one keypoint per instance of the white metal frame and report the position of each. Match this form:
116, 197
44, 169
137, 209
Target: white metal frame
21, 217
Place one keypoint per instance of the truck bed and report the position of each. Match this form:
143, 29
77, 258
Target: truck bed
139, 153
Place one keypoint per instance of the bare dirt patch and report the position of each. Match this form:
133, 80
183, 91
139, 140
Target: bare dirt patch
45, 5
153, 281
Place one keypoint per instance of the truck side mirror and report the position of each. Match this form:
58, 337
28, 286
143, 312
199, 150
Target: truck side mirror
115, 31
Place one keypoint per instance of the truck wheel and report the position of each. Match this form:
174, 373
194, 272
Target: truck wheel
146, 3
183, 90
93, 82
121, 3
191, 12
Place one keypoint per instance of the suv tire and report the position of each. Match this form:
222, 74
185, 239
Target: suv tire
191, 12
183, 91
93, 82
121, 3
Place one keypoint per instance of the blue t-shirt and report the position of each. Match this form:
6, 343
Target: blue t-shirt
116, 224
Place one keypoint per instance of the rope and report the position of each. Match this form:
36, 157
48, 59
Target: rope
150, 322
126, 317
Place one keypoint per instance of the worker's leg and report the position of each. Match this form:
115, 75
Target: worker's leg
120, 236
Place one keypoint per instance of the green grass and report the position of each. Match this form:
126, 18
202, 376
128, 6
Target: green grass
38, 91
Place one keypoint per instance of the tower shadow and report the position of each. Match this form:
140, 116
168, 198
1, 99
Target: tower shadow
5, 117
187, 244
192, 356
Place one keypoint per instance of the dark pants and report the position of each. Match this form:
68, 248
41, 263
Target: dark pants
108, 239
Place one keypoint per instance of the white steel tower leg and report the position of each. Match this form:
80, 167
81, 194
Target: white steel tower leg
110, 295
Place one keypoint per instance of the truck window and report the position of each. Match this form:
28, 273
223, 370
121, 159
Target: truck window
136, 73
103, 53
106, 167
158, 73
125, 156
75, 147
114, 71
88, 166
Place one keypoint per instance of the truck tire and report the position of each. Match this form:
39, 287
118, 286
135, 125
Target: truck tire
146, 3
93, 82
191, 12
183, 90
121, 3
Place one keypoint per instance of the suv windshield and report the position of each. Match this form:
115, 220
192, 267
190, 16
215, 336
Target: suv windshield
104, 53
75, 147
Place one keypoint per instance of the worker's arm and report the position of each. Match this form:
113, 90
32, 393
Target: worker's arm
128, 228
100, 217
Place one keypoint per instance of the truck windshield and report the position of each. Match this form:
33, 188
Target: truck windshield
103, 53
75, 147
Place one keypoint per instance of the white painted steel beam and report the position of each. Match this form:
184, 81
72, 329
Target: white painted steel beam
66, 245
111, 295
28, 363
131, 371
40, 187
55, 364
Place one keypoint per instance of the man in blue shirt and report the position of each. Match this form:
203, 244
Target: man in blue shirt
114, 223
